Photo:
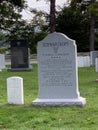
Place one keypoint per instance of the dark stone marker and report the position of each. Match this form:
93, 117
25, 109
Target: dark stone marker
20, 56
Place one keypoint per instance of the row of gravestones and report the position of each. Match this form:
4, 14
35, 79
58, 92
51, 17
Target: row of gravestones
20, 58
82, 61
57, 73
17, 62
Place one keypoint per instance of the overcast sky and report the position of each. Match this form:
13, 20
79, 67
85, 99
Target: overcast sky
40, 5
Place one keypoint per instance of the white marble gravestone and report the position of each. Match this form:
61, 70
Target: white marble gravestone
57, 72
96, 64
15, 90
93, 56
83, 61
2, 61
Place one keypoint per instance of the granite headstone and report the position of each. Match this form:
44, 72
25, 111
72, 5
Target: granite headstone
20, 55
57, 72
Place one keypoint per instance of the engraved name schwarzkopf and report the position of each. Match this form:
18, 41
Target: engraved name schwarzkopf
55, 44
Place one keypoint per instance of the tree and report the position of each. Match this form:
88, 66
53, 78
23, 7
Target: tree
18, 3
92, 30
9, 16
79, 21
93, 9
74, 22
13, 27
52, 15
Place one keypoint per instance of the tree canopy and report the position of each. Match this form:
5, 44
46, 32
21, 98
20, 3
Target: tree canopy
9, 16
18, 3
74, 21
75, 25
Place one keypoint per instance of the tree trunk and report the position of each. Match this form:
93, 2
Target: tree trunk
92, 29
1, 1
52, 15
92, 32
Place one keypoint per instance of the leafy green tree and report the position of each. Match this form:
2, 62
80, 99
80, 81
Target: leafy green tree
52, 16
90, 6
93, 10
74, 22
9, 16
23, 30
18, 3
13, 27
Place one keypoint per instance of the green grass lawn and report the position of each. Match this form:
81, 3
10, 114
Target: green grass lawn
28, 117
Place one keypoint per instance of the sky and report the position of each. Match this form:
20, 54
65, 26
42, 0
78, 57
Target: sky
40, 5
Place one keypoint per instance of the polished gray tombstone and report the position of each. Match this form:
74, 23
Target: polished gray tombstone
20, 56
57, 72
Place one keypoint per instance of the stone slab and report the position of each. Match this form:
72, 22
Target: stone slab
57, 71
15, 90
20, 56
60, 102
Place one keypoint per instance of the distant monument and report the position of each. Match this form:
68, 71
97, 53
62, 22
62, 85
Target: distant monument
57, 72
20, 56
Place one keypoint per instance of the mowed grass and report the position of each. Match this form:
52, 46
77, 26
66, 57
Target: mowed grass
28, 117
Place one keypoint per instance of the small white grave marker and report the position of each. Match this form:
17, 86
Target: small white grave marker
15, 90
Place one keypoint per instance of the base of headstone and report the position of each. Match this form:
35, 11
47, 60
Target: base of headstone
60, 102
20, 69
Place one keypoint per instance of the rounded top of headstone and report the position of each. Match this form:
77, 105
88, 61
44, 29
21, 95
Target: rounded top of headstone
14, 77
57, 37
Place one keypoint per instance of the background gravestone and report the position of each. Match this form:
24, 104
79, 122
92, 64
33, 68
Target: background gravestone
93, 56
57, 72
20, 55
2, 61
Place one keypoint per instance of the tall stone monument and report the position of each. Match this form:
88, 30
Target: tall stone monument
20, 56
57, 72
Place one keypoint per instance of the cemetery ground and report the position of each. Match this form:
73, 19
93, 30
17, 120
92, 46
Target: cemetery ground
28, 117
